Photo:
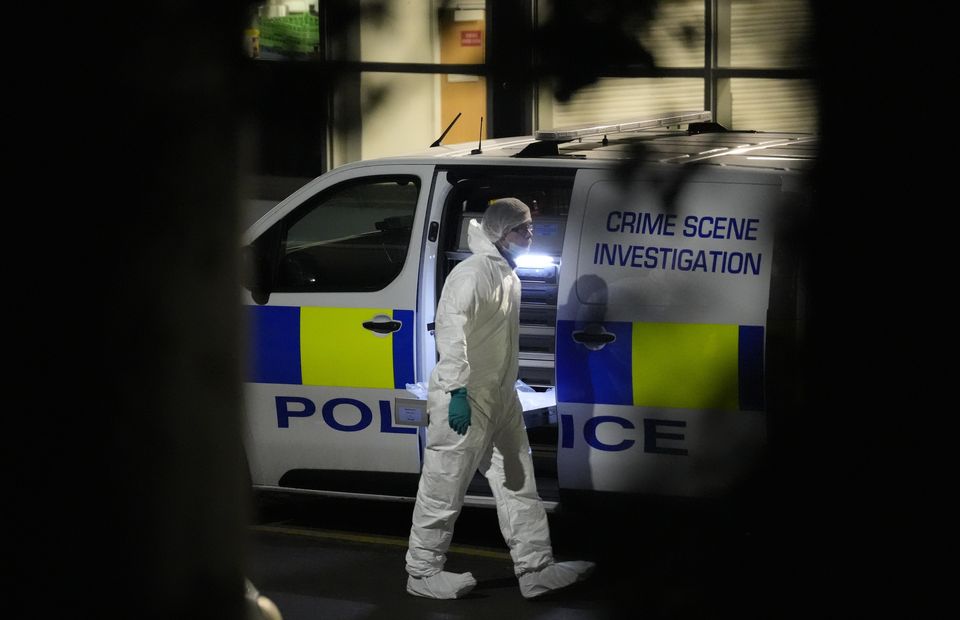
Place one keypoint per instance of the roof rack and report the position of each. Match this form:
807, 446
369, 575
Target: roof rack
565, 134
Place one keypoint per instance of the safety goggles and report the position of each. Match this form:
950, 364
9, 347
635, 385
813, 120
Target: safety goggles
522, 228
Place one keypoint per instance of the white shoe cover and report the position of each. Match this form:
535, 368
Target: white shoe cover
442, 585
554, 577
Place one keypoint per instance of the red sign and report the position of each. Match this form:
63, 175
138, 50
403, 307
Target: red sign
470, 38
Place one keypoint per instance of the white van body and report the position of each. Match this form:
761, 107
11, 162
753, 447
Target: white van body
654, 281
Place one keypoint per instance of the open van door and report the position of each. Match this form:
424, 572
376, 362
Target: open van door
661, 329
332, 312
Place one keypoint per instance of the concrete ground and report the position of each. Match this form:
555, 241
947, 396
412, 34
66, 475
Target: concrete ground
331, 558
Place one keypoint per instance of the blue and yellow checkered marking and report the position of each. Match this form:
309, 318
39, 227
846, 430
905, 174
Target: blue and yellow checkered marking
672, 365
329, 346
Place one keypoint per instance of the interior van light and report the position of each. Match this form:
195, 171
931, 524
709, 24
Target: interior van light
534, 261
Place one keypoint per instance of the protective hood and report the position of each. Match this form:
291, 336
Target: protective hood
478, 242
503, 215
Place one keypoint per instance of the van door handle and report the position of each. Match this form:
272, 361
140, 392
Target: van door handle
382, 327
594, 337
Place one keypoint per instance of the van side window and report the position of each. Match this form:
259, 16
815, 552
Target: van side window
351, 237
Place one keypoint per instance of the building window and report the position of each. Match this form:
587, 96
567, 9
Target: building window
388, 76
768, 34
279, 30
774, 105
622, 98
675, 36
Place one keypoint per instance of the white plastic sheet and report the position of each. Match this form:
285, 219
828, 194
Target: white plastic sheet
530, 399
419, 390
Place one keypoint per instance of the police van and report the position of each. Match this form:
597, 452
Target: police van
660, 281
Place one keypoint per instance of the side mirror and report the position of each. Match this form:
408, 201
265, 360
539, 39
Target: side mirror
253, 273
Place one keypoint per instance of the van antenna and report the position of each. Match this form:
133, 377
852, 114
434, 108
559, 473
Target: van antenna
446, 131
477, 150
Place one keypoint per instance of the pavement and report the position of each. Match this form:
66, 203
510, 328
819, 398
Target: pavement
329, 558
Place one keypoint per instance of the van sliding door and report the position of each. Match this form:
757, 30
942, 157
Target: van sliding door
466, 192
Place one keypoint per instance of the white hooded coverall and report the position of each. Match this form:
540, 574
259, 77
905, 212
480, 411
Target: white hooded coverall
477, 335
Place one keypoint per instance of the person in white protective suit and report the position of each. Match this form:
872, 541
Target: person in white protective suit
476, 421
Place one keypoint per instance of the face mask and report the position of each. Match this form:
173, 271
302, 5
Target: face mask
515, 249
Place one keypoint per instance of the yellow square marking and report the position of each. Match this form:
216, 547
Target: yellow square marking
687, 366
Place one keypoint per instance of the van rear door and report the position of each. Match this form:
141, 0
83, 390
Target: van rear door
661, 328
333, 342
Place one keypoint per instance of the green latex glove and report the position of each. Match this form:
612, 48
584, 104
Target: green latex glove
458, 417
